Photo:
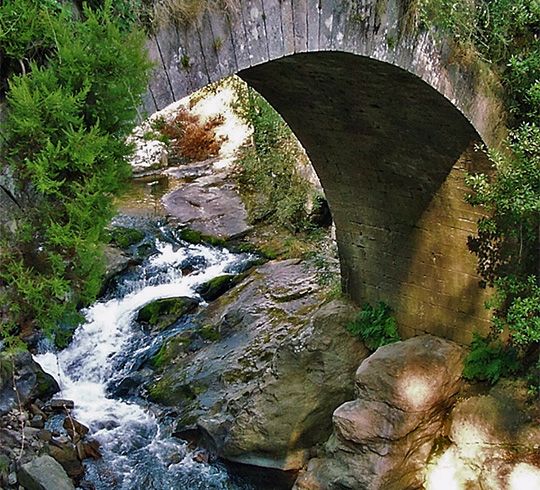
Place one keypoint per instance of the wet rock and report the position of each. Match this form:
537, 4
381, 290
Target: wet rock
383, 438
30, 380
66, 454
214, 210
90, 449
116, 261
60, 404
130, 385
162, 313
75, 429
217, 286
38, 421
44, 473
280, 366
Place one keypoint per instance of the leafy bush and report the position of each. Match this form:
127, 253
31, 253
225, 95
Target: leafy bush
505, 33
375, 326
67, 120
489, 360
267, 168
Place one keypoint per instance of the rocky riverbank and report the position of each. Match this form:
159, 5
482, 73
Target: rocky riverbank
41, 445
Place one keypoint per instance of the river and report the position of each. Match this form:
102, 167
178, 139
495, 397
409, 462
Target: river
138, 449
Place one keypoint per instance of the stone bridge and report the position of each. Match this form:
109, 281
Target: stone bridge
389, 117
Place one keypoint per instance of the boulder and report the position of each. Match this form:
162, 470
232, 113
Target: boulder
150, 156
30, 380
162, 313
44, 473
66, 454
214, 288
215, 210
494, 443
383, 438
116, 261
264, 390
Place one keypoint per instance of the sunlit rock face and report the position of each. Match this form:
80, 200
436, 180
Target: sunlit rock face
383, 438
493, 444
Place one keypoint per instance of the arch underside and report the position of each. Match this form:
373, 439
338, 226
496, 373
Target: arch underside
391, 140
391, 153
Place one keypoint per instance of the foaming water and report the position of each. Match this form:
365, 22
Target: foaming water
138, 452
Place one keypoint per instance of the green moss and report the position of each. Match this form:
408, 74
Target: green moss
162, 313
196, 237
210, 333
124, 237
171, 349
167, 392
217, 286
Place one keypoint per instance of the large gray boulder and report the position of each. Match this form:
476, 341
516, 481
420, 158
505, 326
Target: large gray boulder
20, 371
214, 209
44, 473
263, 393
383, 438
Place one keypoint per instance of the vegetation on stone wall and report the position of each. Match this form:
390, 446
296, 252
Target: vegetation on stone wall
375, 326
165, 12
505, 33
70, 107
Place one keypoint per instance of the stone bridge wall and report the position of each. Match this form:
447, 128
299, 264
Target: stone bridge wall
389, 120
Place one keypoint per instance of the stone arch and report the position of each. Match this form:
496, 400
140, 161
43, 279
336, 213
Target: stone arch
390, 124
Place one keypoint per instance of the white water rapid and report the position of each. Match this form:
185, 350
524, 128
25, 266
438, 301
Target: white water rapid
137, 450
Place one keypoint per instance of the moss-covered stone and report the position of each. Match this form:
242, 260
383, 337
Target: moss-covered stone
217, 286
196, 237
163, 313
209, 332
124, 237
171, 392
171, 349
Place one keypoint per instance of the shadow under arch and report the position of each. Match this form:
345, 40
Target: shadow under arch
391, 153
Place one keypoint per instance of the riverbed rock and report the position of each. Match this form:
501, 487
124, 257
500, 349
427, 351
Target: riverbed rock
162, 313
116, 261
150, 156
263, 392
31, 381
383, 438
215, 210
44, 473
66, 454
214, 288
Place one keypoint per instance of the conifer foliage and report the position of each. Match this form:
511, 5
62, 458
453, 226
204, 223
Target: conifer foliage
71, 103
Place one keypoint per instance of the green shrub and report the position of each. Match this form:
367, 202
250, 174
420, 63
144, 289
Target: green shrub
505, 34
68, 115
489, 360
274, 190
375, 326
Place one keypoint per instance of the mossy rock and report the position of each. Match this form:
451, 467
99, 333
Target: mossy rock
193, 236
124, 237
171, 349
217, 286
209, 333
169, 392
162, 313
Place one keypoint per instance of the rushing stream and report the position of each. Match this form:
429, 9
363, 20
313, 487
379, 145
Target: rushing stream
138, 450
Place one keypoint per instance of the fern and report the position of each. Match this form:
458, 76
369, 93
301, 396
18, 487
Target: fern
375, 326
490, 360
